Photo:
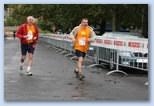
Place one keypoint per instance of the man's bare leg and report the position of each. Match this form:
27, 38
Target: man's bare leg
23, 57
79, 65
30, 61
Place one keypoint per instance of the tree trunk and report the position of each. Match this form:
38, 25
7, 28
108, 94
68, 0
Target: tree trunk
145, 22
102, 26
114, 20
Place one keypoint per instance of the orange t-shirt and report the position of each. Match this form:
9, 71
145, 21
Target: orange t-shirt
82, 37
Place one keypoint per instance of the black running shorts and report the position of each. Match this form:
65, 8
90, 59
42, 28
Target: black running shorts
79, 53
27, 48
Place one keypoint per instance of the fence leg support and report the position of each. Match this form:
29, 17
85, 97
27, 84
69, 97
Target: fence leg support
69, 54
116, 71
96, 65
73, 58
93, 65
54, 47
63, 52
117, 67
58, 50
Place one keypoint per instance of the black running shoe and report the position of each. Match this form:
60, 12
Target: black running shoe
76, 73
81, 77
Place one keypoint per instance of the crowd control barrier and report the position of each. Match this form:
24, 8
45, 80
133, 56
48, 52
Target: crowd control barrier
115, 53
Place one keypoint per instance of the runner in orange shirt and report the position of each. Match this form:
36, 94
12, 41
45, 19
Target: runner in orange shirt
81, 36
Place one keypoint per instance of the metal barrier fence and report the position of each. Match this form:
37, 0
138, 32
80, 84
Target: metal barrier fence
111, 52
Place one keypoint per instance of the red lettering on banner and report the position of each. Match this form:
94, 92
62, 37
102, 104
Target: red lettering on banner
99, 41
119, 43
108, 42
69, 39
134, 44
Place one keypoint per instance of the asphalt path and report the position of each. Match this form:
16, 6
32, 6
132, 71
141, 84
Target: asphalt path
53, 79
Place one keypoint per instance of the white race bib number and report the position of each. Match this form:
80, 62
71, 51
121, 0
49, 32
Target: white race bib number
82, 41
30, 36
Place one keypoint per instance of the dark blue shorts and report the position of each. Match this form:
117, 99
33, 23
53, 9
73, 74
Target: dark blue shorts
27, 48
79, 53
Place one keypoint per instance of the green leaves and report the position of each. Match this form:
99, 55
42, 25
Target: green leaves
66, 16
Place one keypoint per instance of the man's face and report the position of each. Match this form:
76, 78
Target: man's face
30, 20
84, 23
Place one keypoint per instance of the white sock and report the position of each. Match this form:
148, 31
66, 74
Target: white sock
28, 68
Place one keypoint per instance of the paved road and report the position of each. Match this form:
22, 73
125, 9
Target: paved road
53, 79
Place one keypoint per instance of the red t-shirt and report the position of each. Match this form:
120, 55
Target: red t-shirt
31, 31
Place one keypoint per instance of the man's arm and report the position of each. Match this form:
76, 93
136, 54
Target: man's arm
73, 33
92, 35
19, 32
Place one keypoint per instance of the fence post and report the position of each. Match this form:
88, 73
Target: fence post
117, 67
96, 59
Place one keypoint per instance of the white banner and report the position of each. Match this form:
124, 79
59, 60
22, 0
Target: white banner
121, 44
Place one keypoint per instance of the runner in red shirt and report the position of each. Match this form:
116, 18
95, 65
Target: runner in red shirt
28, 35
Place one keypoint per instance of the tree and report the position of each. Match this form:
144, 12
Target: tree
67, 16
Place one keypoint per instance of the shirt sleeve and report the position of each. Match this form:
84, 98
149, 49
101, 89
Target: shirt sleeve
19, 32
74, 31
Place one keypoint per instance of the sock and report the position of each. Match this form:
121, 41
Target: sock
28, 68
76, 69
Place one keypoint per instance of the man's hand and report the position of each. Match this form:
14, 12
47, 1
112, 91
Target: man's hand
35, 38
90, 40
72, 38
25, 36
30, 37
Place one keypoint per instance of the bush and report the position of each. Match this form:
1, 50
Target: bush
9, 21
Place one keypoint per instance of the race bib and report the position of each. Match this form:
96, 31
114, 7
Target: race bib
30, 35
82, 41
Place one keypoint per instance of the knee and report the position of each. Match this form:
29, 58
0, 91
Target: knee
22, 60
80, 60
30, 57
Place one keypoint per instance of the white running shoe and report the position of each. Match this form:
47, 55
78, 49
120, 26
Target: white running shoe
146, 83
28, 73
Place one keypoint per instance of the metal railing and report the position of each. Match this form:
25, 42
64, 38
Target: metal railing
111, 52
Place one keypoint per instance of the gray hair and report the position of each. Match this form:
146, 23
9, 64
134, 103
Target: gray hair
31, 17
